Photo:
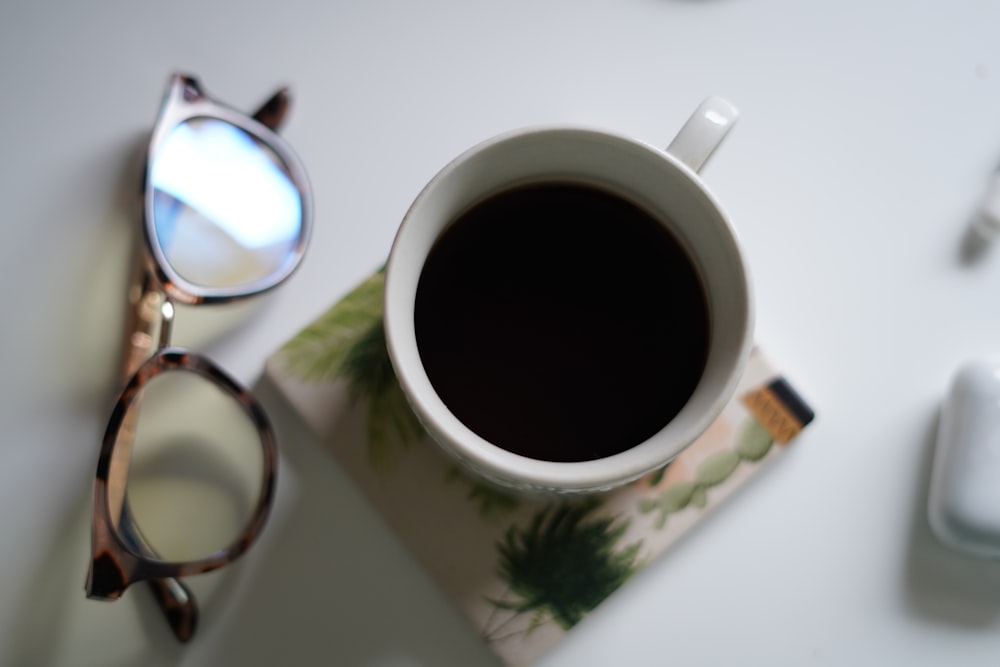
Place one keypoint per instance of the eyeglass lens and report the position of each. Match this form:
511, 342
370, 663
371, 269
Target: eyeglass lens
226, 212
196, 468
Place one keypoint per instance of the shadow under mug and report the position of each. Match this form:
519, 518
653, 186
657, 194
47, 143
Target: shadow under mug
663, 182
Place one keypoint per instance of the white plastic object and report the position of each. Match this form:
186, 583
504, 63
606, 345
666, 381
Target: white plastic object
987, 218
964, 500
703, 132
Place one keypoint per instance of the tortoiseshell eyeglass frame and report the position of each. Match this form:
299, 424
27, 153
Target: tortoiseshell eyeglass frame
121, 555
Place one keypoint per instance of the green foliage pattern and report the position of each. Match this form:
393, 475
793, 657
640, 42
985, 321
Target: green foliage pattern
491, 501
320, 350
348, 342
563, 564
752, 445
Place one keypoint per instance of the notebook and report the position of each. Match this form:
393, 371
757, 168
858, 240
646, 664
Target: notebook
524, 571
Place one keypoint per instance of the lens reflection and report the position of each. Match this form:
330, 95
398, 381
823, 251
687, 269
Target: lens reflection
196, 469
225, 210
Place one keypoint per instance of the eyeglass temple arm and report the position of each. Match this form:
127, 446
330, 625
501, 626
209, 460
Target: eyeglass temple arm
173, 597
273, 112
148, 328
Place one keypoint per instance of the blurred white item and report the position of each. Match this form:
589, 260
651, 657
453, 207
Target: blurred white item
964, 502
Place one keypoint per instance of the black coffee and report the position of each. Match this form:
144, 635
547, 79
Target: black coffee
561, 322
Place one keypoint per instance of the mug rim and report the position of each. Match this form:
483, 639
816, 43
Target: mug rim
492, 461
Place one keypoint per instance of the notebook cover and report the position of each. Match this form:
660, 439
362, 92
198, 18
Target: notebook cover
524, 571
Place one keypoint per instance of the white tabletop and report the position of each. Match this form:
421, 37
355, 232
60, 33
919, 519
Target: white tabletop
868, 133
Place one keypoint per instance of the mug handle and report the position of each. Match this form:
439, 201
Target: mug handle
703, 132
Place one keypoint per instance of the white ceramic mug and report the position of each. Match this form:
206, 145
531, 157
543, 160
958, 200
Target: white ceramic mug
664, 183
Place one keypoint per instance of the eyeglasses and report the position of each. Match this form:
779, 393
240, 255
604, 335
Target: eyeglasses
226, 215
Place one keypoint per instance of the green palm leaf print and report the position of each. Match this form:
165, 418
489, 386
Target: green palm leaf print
348, 342
563, 564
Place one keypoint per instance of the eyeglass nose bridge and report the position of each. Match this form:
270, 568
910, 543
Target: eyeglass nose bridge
150, 317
